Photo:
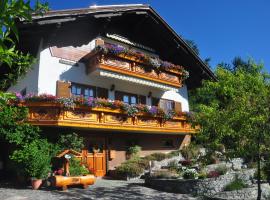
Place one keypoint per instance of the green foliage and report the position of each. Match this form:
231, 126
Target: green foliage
190, 174
237, 184
264, 175
14, 63
159, 156
34, 158
13, 128
173, 166
221, 169
234, 110
76, 169
134, 150
130, 168
190, 152
70, 141
202, 175
165, 174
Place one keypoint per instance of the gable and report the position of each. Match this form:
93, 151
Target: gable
137, 23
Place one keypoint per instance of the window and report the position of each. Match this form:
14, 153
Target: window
164, 104
133, 100
88, 91
129, 98
125, 99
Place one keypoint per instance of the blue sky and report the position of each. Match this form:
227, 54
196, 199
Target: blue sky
222, 29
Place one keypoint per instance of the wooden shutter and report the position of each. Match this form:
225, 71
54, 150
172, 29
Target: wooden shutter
119, 95
141, 99
162, 104
63, 89
155, 101
102, 93
177, 107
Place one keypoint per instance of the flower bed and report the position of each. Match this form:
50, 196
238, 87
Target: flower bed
72, 102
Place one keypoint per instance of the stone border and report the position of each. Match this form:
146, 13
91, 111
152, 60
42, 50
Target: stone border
209, 186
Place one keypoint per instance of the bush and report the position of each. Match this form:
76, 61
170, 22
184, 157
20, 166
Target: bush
173, 153
134, 150
164, 174
34, 158
190, 152
264, 176
185, 162
237, 184
76, 169
70, 141
159, 156
173, 166
213, 174
202, 175
129, 169
221, 169
190, 174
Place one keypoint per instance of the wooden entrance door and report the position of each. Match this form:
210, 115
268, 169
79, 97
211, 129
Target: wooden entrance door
96, 156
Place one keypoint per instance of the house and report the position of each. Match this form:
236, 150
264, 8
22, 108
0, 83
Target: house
132, 69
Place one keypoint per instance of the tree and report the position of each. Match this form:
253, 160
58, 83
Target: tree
235, 111
193, 46
13, 62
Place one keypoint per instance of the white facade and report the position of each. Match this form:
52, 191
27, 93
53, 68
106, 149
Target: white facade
42, 79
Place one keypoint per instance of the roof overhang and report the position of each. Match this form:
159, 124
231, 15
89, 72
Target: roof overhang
167, 42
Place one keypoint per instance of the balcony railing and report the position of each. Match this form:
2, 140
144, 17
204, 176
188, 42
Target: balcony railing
56, 114
120, 60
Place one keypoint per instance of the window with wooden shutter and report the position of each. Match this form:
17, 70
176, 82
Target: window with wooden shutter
155, 101
166, 105
141, 99
63, 89
102, 93
118, 95
178, 107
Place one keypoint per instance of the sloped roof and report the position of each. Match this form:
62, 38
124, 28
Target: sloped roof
199, 70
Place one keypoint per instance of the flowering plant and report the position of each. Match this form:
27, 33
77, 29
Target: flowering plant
190, 174
156, 63
70, 103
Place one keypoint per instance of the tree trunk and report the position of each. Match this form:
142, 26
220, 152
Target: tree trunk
259, 168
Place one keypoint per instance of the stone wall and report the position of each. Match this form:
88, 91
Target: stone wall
247, 194
209, 186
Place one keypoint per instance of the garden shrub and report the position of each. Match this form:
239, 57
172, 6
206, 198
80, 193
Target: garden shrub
173, 153
202, 175
264, 176
164, 174
134, 150
70, 141
76, 168
185, 162
237, 184
129, 169
190, 174
173, 166
213, 174
159, 156
221, 169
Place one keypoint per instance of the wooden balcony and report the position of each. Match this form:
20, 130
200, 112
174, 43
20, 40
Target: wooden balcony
54, 114
131, 66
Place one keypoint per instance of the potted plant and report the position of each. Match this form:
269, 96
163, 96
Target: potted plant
35, 158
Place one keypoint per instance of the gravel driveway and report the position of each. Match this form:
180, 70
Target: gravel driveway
103, 189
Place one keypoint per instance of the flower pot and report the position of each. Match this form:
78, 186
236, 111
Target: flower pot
36, 183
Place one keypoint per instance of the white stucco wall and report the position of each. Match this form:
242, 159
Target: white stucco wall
50, 70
